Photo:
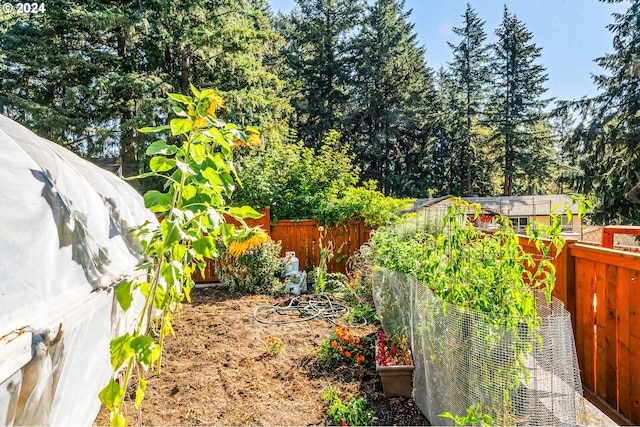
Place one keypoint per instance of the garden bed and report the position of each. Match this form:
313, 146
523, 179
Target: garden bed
216, 371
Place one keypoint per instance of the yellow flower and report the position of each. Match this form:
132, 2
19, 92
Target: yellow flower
254, 140
190, 109
216, 102
200, 122
254, 239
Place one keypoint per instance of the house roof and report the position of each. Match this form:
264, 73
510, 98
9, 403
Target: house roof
425, 203
526, 206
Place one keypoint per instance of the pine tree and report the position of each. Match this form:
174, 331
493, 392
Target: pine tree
319, 36
470, 76
517, 103
604, 144
395, 102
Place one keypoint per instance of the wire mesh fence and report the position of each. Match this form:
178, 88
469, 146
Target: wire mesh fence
468, 362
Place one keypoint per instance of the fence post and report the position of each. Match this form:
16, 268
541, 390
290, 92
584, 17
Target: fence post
565, 289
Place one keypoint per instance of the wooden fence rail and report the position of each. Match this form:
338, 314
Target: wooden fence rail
305, 239
601, 289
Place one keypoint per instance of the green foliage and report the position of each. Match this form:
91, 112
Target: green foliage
485, 276
363, 202
353, 412
489, 273
393, 121
319, 61
198, 179
258, 271
72, 74
475, 417
295, 181
603, 145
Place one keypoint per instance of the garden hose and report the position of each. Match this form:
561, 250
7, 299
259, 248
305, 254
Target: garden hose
318, 306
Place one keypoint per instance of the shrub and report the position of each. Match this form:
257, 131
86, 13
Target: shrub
292, 179
250, 267
366, 202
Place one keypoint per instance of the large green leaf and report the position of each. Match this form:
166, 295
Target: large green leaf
161, 147
124, 295
161, 164
244, 212
180, 98
146, 349
111, 395
153, 129
180, 126
121, 350
171, 231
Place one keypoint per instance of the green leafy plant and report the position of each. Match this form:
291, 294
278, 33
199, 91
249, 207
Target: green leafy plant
487, 276
326, 254
475, 417
250, 263
362, 202
198, 175
273, 346
353, 412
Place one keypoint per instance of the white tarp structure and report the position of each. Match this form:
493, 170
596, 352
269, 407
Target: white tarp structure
64, 245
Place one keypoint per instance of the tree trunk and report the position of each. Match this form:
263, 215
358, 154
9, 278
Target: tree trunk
184, 68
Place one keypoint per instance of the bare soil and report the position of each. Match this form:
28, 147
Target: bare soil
216, 371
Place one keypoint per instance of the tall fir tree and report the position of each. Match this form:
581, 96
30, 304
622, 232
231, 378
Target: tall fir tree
470, 75
604, 144
88, 74
319, 36
516, 104
395, 102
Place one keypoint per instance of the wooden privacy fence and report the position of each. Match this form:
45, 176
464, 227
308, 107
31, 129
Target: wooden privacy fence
601, 289
304, 238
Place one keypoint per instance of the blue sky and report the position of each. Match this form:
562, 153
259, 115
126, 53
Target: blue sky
571, 33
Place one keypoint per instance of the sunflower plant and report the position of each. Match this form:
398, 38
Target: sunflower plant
250, 262
195, 162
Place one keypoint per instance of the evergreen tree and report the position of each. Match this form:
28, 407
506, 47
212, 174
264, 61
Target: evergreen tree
604, 145
470, 76
396, 103
319, 36
516, 105
88, 74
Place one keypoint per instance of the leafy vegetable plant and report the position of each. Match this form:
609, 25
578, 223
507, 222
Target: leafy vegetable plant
199, 177
353, 412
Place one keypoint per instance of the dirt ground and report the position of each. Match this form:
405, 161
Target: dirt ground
216, 371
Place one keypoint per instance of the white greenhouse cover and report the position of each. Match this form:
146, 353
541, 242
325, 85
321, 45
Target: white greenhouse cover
64, 245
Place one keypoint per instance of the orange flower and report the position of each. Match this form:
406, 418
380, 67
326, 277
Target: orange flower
342, 352
190, 109
239, 143
343, 422
200, 122
359, 359
334, 344
347, 353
